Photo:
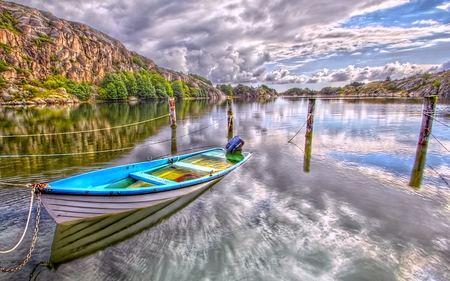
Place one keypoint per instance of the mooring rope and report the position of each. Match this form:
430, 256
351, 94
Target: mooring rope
439, 142
26, 225
439, 175
103, 151
36, 230
429, 115
300, 128
85, 131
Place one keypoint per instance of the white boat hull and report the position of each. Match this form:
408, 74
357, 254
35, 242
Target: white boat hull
70, 208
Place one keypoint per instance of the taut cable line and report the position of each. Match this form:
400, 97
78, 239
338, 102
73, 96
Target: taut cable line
431, 116
108, 150
84, 131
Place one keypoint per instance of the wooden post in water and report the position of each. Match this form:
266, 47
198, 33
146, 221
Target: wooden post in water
419, 165
173, 147
172, 112
309, 134
310, 120
429, 106
230, 114
307, 155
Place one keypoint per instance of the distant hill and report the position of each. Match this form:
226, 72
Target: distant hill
415, 86
36, 44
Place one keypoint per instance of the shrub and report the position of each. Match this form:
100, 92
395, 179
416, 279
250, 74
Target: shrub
201, 78
437, 84
7, 21
139, 62
7, 48
177, 88
3, 66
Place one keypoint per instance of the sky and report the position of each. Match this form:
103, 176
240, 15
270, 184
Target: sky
279, 43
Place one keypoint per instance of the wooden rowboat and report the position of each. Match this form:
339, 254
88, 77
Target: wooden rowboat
139, 185
85, 237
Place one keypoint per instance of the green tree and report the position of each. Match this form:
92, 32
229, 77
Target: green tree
203, 79
177, 88
162, 87
130, 82
145, 88
81, 90
226, 89
114, 86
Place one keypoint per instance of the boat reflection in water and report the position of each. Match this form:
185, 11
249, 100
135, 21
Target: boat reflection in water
78, 239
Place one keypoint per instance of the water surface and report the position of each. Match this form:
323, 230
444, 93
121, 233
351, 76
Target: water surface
340, 208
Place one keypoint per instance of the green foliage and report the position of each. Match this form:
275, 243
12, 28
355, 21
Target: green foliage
42, 38
27, 58
162, 87
7, 48
357, 84
139, 62
436, 84
130, 82
426, 75
329, 90
2, 82
7, 21
226, 89
186, 90
113, 87
81, 90
145, 88
199, 93
34, 91
55, 82
267, 88
177, 88
201, 78
36, 83
3, 66
392, 87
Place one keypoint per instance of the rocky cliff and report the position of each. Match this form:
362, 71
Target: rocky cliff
36, 44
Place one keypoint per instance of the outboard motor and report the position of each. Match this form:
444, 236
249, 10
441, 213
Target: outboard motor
235, 144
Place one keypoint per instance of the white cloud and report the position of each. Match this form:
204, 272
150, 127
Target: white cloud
445, 7
426, 22
351, 73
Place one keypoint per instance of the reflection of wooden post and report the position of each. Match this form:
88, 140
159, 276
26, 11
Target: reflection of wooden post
173, 117
307, 156
429, 105
173, 147
310, 120
419, 165
230, 114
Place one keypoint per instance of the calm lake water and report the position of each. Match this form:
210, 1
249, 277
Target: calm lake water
339, 206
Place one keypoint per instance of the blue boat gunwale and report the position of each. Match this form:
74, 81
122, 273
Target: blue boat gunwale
57, 187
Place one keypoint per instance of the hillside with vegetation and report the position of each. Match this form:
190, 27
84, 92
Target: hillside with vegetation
44, 59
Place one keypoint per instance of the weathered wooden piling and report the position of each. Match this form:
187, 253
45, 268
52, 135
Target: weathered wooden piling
173, 146
307, 155
172, 113
230, 114
419, 165
429, 106
310, 119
